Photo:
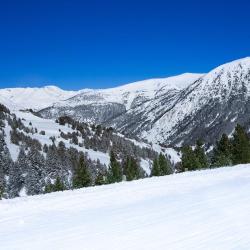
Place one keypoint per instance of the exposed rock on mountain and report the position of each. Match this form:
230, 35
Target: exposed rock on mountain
172, 111
127, 108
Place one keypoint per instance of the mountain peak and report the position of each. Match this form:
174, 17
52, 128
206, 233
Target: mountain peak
34, 98
52, 87
243, 62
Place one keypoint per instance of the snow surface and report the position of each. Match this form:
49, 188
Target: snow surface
194, 210
52, 129
175, 157
217, 84
127, 93
39, 98
33, 98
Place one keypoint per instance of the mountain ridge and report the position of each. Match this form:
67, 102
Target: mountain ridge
169, 110
52, 90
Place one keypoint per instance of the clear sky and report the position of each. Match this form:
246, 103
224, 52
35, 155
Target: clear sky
97, 44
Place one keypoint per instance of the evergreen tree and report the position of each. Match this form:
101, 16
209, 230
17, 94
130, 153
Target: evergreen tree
17, 173
16, 180
131, 169
155, 169
5, 158
53, 164
48, 187
34, 180
82, 176
100, 179
114, 170
2, 181
57, 186
240, 146
164, 165
5, 165
1, 192
59, 162
189, 159
222, 153
22, 161
200, 155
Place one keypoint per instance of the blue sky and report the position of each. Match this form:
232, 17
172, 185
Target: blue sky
97, 44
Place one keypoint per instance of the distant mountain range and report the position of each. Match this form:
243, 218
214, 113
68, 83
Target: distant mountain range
171, 111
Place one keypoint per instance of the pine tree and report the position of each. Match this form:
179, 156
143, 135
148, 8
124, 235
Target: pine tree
53, 163
189, 159
1, 192
82, 176
100, 179
34, 180
240, 146
222, 153
2, 181
164, 165
200, 155
5, 164
17, 173
58, 186
131, 169
155, 169
48, 187
22, 161
16, 180
161, 166
114, 170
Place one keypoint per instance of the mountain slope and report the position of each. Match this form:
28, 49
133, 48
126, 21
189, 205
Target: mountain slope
103, 106
209, 107
205, 107
129, 93
156, 213
35, 152
171, 111
33, 98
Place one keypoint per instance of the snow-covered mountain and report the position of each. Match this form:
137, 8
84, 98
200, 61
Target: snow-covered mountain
107, 105
129, 93
212, 105
174, 110
34, 152
33, 98
171, 111
194, 210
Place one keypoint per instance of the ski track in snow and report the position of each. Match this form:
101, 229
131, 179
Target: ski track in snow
195, 210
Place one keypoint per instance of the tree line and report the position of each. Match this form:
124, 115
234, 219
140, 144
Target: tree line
49, 168
41, 168
226, 152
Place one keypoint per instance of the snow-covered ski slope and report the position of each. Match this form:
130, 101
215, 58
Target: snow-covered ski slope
194, 210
